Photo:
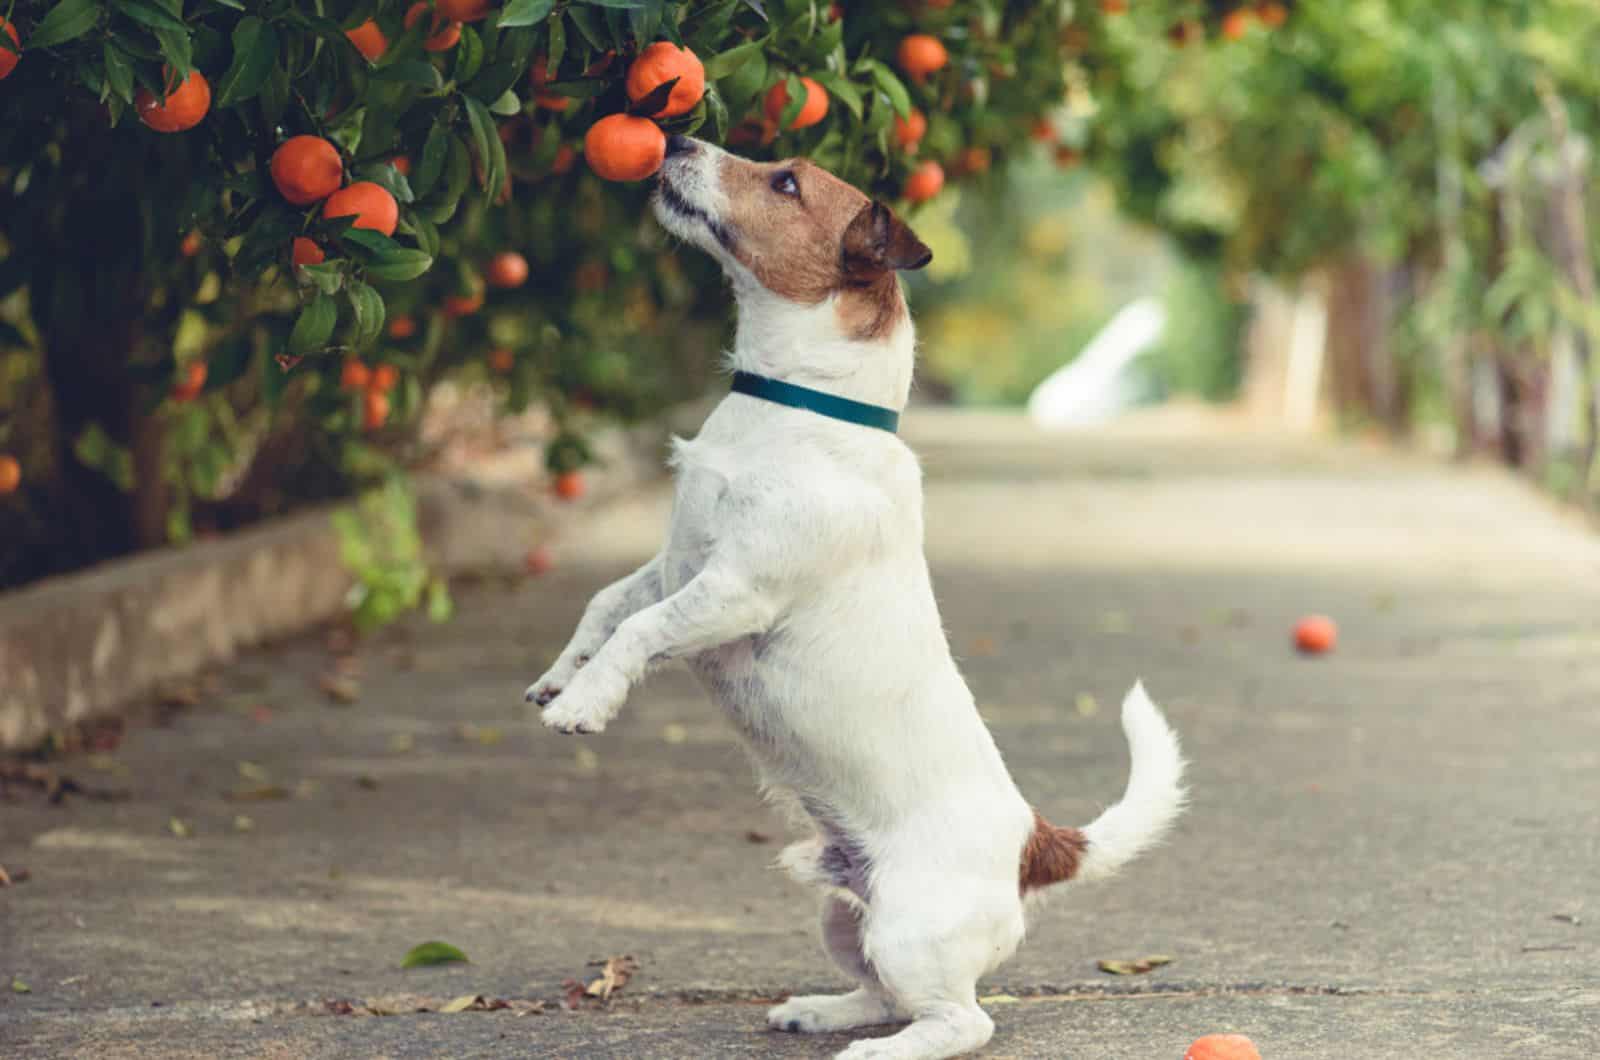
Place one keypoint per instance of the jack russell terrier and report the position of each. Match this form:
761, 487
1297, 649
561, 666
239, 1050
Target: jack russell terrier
793, 582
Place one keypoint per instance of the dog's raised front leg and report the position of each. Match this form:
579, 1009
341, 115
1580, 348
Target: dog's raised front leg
610, 607
717, 606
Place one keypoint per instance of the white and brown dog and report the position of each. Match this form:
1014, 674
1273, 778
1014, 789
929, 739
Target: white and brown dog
793, 582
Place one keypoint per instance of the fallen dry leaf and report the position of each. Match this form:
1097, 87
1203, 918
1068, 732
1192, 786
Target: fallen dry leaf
401, 742
587, 760
1087, 705
19, 987
1137, 966
367, 783
13, 877
571, 994
485, 735
982, 647
754, 836
243, 823
180, 828
674, 733
614, 975
254, 771
343, 690
464, 1002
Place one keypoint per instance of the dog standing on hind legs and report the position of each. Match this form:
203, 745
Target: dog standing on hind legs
793, 582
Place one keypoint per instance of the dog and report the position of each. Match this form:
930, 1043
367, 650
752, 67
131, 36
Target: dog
794, 584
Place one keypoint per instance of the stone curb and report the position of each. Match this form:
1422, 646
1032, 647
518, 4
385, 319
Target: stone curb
93, 643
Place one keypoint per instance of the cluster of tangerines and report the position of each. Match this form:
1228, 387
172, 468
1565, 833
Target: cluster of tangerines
306, 170
1235, 24
373, 383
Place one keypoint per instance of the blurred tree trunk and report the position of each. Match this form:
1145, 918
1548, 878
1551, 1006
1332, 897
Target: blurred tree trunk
1362, 372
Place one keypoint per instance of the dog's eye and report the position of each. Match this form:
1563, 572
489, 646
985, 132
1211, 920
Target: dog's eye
785, 184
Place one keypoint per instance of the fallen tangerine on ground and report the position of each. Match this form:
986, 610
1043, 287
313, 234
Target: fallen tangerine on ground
306, 169
909, 131
623, 147
660, 63
570, 485
371, 205
9, 58
464, 10
1316, 634
925, 182
369, 40
354, 375
921, 54
183, 108
812, 111
442, 33
463, 305
1222, 1047
403, 326
383, 379
374, 410
507, 269
305, 251
502, 361
10, 474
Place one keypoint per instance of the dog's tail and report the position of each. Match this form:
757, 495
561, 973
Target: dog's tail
1154, 798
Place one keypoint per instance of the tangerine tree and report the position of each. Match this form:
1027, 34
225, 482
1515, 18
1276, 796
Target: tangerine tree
242, 242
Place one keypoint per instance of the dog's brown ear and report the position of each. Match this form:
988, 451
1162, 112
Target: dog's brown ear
877, 242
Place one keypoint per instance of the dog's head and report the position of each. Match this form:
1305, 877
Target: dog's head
791, 229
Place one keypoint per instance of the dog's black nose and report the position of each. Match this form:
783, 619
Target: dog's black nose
679, 145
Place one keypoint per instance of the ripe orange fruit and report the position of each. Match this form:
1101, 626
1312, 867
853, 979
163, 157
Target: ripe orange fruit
1272, 14
502, 360
384, 377
1236, 23
191, 244
372, 206
9, 59
369, 40
660, 63
402, 164
182, 108
462, 305
1222, 1047
975, 160
835, 12
374, 410
538, 560
305, 251
1043, 131
1067, 156
464, 10
921, 54
306, 169
403, 326
10, 474
194, 381
1316, 634
908, 132
563, 160
1114, 7
925, 182
442, 33
354, 375
551, 101
508, 269
812, 111
622, 147
570, 485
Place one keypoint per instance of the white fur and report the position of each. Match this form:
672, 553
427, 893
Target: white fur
793, 581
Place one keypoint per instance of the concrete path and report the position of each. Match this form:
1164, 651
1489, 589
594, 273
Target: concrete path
1394, 851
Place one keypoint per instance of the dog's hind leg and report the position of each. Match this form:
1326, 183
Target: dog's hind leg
928, 949
867, 1005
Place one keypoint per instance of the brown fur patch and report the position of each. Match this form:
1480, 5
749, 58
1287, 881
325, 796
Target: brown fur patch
1051, 855
814, 245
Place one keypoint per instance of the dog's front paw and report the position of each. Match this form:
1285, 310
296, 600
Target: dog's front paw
588, 702
547, 688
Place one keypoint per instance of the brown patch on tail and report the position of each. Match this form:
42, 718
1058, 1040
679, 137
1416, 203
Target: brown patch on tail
1051, 855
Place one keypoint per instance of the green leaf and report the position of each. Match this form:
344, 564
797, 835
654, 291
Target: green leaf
620, 5
892, 87
588, 24
434, 151
430, 953
177, 49
491, 152
369, 311
493, 80
274, 95
557, 49
328, 276
716, 114
507, 104
255, 55
390, 179
315, 325
724, 63
525, 12
119, 72
469, 55
426, 233
400, 265
66, 21
372, 245
408, 72
151, 15
840, 89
